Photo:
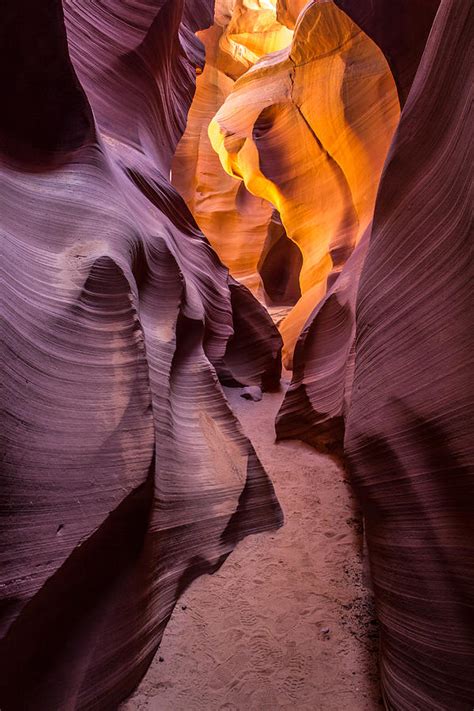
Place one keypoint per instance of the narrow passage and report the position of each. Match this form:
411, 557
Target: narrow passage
287, 622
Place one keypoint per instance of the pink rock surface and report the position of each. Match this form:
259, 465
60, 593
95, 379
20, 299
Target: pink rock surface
317, 402
399, 28
125, 472
409, 431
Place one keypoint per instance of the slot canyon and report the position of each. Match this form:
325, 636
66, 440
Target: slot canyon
237, 453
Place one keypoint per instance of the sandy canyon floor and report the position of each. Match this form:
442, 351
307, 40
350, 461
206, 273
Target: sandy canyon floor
286, 623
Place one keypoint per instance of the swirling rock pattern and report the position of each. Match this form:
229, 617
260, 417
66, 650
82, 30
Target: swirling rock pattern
123, 461
317, 402
400, 29
409, 430
236, 222
308, 129
125, 472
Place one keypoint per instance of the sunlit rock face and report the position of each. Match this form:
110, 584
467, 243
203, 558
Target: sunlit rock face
125, 472
308, 128
236, 222
317, 401
409, 430
288, 11
400, 373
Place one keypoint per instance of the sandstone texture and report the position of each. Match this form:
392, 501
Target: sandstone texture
409, 429
308, 128
125, 472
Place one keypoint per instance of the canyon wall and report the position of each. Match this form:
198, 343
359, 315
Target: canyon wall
124, 464
308, 128
125, 472
409, 429
389, 351
318, 399
237, 223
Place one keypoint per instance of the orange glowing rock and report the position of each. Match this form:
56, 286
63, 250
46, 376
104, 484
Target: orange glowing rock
307, 128
288, 11
236, 222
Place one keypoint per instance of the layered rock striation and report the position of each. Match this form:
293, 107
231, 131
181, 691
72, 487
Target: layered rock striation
409, 429
389, 351
237, 223
125, 472
317, 402
308, 128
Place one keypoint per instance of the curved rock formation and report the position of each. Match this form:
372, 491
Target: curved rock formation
317, 402
288, 11
308, 129
125, 472
400, 30
409, 430
236, 222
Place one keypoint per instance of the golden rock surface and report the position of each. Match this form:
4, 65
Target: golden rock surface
235, 221
307, 129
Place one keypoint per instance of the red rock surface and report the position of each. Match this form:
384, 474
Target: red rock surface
125, 472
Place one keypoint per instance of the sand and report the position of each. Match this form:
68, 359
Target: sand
286, 623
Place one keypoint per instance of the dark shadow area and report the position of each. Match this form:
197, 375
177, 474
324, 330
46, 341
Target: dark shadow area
280, 265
